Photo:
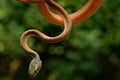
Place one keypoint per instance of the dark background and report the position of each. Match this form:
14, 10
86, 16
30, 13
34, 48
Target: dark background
91, 52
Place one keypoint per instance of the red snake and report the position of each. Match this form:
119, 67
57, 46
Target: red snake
61, 19
36, 63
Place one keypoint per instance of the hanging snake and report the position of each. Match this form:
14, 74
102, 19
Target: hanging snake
61, 18
36, 63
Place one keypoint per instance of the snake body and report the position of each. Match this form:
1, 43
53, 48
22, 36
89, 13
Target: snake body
61, 18
84, 13
36, 63
79, 16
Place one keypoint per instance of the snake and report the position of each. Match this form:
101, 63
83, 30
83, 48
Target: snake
77, 17
61, 18
36, 63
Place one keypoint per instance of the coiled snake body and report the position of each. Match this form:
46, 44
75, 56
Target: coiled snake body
79, 16
61, 19
36, 63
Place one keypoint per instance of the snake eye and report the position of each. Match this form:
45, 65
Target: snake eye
34, 67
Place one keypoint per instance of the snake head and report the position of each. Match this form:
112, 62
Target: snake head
34, 67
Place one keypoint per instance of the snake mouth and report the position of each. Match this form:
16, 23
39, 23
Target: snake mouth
30, 1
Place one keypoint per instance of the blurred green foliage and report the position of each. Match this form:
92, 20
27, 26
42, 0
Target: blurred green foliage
91, 52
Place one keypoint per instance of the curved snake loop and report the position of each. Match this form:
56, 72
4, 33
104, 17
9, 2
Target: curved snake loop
36, 63
79, 16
